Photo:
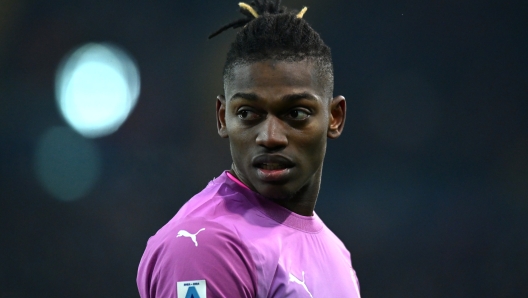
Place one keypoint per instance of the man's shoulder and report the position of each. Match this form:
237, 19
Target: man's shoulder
332, 239
189, 232
220, 210
196, 249
220, 197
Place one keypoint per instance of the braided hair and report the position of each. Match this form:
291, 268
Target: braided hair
272, 32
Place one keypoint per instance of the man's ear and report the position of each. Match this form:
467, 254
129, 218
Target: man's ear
220, 116
337, 117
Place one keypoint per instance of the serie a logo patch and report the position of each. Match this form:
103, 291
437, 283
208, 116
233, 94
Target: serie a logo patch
191, 289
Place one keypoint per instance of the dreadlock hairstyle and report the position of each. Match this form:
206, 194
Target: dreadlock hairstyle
272, 32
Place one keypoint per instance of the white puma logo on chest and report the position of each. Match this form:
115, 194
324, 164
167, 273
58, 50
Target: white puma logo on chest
192, 236
302, 283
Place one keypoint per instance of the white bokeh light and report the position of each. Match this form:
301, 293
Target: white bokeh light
97, 87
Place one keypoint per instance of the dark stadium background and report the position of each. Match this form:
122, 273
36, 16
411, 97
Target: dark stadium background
428, 186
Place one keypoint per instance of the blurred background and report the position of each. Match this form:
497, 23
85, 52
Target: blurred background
427, 187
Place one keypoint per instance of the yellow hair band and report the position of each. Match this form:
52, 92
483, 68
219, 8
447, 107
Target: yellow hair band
256, 15
248, 8
301, 13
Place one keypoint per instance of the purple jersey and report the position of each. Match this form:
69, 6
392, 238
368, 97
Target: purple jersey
228, 241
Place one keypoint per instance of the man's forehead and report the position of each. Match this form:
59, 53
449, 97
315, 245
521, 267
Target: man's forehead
272, 74
243, 68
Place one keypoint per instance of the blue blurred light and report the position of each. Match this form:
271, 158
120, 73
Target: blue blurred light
97, 87
66, 164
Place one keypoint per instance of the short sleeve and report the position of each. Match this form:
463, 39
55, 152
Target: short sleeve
196, 250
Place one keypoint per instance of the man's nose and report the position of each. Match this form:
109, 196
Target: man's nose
272, 133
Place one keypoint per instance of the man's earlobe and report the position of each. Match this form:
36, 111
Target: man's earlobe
220, 116
337, 117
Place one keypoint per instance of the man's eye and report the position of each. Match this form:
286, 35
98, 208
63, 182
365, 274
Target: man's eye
247, 115
298, 114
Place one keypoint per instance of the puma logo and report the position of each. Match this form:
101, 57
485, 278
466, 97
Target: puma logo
192, 236
302, 283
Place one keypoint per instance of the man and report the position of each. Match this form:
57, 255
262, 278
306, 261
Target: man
252, 232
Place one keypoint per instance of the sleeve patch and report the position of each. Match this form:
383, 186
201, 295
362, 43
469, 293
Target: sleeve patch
191, 289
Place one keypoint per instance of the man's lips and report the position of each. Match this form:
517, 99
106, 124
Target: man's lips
272, 162
272, 168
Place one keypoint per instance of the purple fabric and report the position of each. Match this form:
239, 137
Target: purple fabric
244, 245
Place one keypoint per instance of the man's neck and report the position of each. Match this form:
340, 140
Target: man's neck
302, 202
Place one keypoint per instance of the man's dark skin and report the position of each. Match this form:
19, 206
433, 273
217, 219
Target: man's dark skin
278, 118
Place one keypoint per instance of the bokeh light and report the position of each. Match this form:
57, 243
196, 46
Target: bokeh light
97, 86
66, 164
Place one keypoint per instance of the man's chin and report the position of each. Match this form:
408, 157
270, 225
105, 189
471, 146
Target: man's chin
276, 193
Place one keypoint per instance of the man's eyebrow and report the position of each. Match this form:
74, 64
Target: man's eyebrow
287, 97
248, 96
298, 96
